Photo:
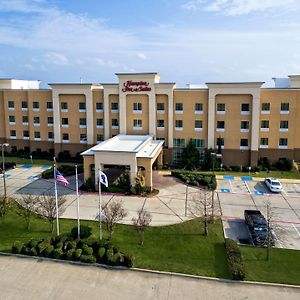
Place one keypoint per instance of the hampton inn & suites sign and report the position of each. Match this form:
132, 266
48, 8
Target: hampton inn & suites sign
136, 86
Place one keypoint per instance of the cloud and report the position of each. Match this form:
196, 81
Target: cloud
241, 7
22, 6
56, 59
141, 55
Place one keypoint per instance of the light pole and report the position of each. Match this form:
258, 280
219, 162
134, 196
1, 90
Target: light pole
3, 167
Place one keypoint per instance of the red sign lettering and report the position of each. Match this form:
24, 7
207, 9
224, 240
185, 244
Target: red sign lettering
136, 86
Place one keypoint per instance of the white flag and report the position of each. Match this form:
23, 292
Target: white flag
103, 178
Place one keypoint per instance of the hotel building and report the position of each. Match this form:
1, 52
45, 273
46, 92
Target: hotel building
249, 121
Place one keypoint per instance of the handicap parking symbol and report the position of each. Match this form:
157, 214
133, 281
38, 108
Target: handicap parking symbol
33, 177
225, 190
259, 192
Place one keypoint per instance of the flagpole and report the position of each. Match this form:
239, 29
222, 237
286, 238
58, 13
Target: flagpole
56, 197
77, 195
100, 206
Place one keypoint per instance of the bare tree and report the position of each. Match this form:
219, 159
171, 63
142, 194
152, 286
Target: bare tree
28, 205
114, 212
47, 208
203, 206
142, 221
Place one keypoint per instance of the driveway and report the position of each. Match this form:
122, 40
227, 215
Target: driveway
25, 278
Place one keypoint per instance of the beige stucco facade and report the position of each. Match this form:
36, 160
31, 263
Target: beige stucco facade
175, 115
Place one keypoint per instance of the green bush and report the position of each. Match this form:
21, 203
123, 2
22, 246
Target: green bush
59, 245
42, 246
32, 243
89, 185
25, 250
101, 253
86, 250
17, 247
66, 170
77, 254
49, 251
58, 253
33, 252
234, 260
62, 238
128, 261
85, 232
71, 245
90, 259
70, 254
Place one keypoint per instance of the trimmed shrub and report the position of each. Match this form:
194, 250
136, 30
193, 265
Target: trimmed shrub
70, 254
71, 245
101, 253
77, 254
128, 261
49, 251
25, 250
97, 245
32, 243
85, 232
17, 247
57, 253
33, 252
86, 250
41, 247
59, 245
90, 259
234, 260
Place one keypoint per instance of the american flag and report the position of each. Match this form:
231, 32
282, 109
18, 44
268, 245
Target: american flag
61, 178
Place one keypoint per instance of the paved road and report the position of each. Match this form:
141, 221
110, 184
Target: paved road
25, 278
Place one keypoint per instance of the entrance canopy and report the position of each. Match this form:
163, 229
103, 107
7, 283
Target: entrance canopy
130, 150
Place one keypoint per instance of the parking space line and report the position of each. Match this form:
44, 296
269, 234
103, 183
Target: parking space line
231, 186
297, 188
247, 187
280, 244
285, 193
296, 229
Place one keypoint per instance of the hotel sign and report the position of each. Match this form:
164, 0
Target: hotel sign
136, 86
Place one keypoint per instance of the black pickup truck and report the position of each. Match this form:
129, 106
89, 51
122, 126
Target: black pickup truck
258, 228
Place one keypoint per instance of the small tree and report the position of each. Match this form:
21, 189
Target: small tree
47, 208
28, 205
4, 206
140, 223
114, 212
190, 156
139, 187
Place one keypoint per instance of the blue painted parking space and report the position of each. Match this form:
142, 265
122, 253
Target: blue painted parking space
26, 166
246, 178
225, 190
227, 177
6, 175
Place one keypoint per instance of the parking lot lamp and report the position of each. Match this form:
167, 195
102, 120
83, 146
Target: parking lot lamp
3, 167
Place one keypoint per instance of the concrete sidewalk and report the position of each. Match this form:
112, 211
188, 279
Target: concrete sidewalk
27, 278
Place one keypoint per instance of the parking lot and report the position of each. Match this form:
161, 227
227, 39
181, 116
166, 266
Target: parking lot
238, 194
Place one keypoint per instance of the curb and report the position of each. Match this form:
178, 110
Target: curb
181, 275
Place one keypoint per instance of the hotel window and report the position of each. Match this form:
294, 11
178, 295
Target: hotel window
244, 125
99, 123
265, 108
137, 107
114, 106
220, 108
50, 135
65, 122
25, 120
264, 125
244, 143
177, 156
83, 138
179, 108
284, 108
36, 105
178, 124
198, 125
50, 120
160, 124
49, 106
264, 142
26, 134
82, 107
11, 105
64, 106
37, 135
13, 134
99, 106
114, 122
36, 121
220, 143
283, 142
100, 137
198, 143
65, 137
220, 125
159, 138
82, 122
12, 120
160, 107
198, 108
179, 142
24, 105
284, 125
137, 124
245, 108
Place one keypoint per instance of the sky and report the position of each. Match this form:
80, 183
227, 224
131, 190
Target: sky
185, 41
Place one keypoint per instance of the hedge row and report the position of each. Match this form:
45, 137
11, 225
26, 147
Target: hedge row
65, 247
234, 260
196, 178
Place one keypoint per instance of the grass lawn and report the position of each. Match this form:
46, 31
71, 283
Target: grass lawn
42, 162
178, 248
282, 267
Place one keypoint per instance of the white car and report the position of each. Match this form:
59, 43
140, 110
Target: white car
273, 185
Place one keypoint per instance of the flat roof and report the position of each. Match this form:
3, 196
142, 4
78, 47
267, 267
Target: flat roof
139, 73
